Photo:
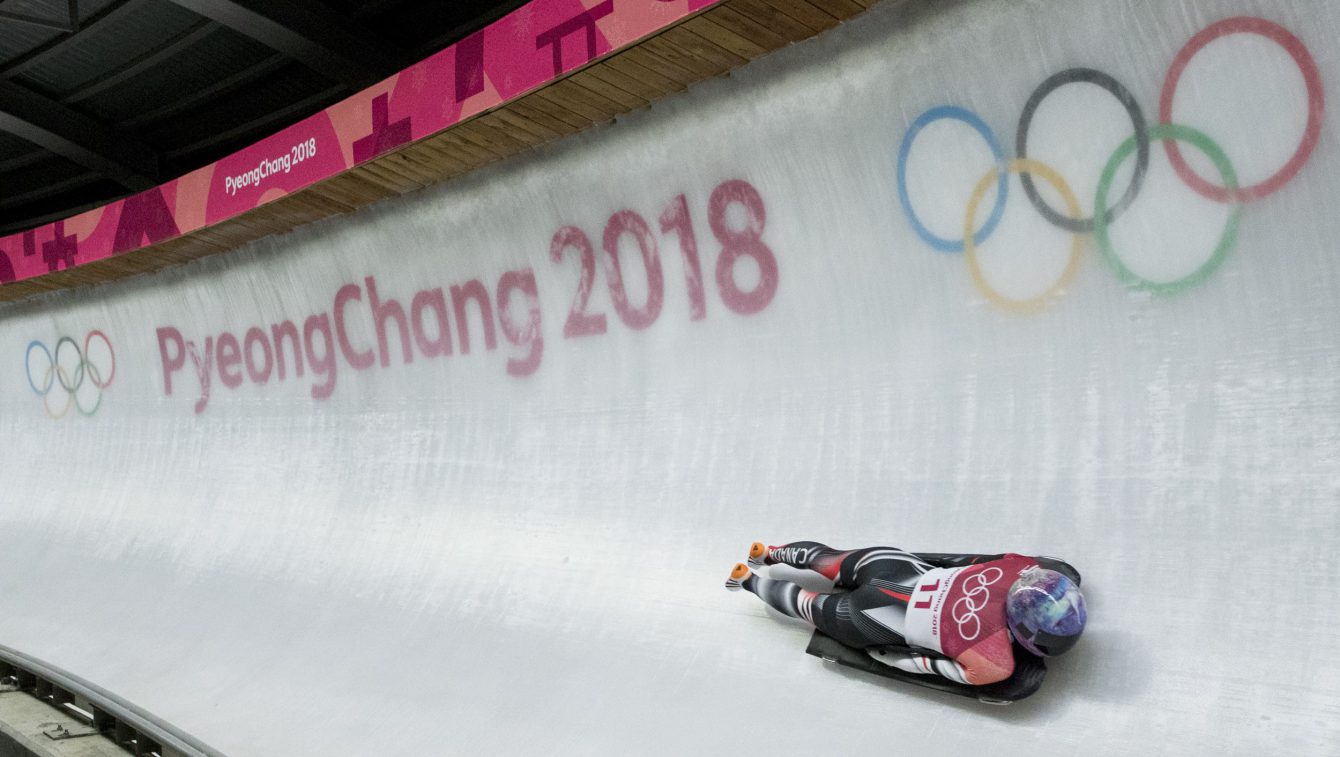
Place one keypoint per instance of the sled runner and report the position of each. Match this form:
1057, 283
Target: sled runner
1027, 678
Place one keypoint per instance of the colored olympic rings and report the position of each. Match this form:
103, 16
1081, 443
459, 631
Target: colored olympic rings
70, 378
968, 117
1099, 223
1127, 100
1169, 133
1316, 103
1023, 167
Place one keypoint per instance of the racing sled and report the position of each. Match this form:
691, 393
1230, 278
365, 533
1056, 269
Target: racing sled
1027, 678
1029, 669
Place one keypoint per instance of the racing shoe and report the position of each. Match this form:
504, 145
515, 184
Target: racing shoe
758, 554
738, 575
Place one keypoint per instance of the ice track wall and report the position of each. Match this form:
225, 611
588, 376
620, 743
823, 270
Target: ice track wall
517, 545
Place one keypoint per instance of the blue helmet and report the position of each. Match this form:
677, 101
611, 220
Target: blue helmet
1046, 611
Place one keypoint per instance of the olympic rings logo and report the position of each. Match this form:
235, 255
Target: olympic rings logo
1167, 131
74, 370
965, 609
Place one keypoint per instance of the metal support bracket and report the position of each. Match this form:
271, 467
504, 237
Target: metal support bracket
59, 732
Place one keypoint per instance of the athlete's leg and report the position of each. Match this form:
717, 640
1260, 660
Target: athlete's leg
846, 568
862, 618
783, 596
805, 555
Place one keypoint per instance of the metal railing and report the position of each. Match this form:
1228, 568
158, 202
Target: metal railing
101, 711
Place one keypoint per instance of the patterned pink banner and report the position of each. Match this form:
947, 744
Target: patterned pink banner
526, 49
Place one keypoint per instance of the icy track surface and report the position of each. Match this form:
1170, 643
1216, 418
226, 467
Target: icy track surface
520, 548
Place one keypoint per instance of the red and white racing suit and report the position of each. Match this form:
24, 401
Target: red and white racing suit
928, 614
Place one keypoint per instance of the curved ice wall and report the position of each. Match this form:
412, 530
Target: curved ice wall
445, 476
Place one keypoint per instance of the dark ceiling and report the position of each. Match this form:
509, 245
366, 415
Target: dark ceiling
102, 98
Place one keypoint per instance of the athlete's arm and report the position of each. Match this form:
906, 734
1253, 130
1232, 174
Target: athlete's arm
921, 664
980, 670
951, 560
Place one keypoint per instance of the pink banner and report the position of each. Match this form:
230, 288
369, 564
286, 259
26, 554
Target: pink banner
526, 49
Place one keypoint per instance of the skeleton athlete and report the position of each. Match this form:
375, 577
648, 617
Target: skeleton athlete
955, 616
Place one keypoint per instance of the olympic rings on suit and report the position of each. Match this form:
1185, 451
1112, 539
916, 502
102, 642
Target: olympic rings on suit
953, 113
970, 600
70, 380
1166, 131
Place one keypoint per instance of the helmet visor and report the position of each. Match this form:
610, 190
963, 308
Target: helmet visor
1053, 645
